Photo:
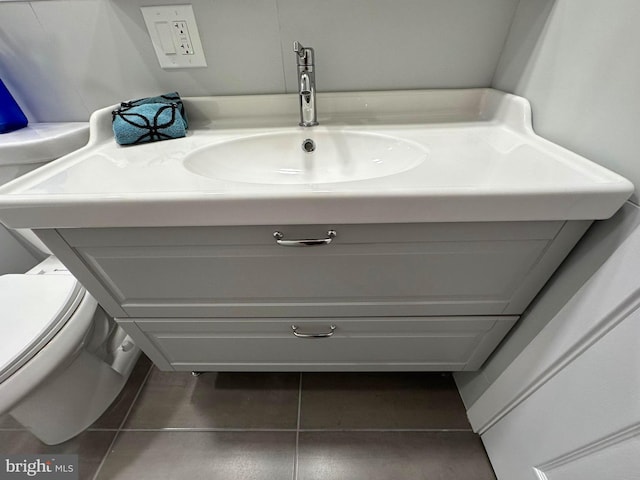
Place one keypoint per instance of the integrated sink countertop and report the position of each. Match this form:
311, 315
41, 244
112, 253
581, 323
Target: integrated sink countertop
381, 157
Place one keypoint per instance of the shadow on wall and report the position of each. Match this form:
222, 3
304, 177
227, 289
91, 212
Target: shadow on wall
523, 48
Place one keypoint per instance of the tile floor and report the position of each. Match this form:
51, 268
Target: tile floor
290, 426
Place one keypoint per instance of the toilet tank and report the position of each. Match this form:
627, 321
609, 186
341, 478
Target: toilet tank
22, 151
39, 143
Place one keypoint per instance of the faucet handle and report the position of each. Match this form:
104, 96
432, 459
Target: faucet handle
305, 54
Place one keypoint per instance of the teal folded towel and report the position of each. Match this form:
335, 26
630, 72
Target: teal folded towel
168, 98
148, 122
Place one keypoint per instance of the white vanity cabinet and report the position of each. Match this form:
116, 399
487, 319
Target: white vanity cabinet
450, 213
420, 296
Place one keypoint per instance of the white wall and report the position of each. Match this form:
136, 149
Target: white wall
62, 59
577, 62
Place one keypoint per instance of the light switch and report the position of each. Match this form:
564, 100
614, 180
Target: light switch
174, 35
166, 39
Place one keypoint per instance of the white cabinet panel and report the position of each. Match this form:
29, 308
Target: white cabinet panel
484, 274
415, 269
427, 296
445, 343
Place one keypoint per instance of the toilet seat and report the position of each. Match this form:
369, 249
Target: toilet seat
35, 308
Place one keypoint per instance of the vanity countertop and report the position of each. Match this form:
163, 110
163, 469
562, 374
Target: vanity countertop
482, 162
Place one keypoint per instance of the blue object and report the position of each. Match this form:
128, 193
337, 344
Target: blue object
150, 122
11, 117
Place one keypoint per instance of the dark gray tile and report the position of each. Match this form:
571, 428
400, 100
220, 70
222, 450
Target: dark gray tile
392, 455
217, 400
201, 455
116, 412
381, 400
90, 447
6, 421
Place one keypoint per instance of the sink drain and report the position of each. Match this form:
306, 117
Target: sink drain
308, 145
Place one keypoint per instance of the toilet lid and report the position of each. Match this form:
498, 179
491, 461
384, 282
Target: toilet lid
34, 309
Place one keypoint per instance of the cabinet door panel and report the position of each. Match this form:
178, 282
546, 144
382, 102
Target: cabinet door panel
442, 274
355, 344
367, 270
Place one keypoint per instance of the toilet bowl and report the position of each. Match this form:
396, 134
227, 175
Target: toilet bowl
63, 360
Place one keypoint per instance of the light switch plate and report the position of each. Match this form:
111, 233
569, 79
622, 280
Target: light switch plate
174, 35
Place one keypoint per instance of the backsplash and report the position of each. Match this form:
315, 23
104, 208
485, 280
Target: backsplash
63, 59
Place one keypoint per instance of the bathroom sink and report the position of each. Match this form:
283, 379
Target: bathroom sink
441, 156
301, 157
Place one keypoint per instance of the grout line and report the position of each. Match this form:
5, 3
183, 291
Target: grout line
135, 399
227, 429
106, 454
297, 430
295, 460
206, 429
441, 430
126, 416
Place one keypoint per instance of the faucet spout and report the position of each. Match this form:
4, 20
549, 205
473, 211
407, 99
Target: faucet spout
306, 85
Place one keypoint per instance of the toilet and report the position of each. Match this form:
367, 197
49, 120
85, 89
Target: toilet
63, 360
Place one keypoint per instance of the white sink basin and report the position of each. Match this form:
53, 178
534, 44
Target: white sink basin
281, 158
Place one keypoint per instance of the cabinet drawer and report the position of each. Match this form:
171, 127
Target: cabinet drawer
398, 344
393, 270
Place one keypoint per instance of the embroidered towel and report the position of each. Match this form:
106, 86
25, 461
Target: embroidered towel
169, 98
148, 122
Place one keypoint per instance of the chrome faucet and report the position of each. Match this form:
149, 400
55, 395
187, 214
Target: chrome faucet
306, 85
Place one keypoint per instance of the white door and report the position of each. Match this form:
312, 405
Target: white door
568, 407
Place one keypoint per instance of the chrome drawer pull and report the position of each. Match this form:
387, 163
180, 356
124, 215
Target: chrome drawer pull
331, 234
313, 335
